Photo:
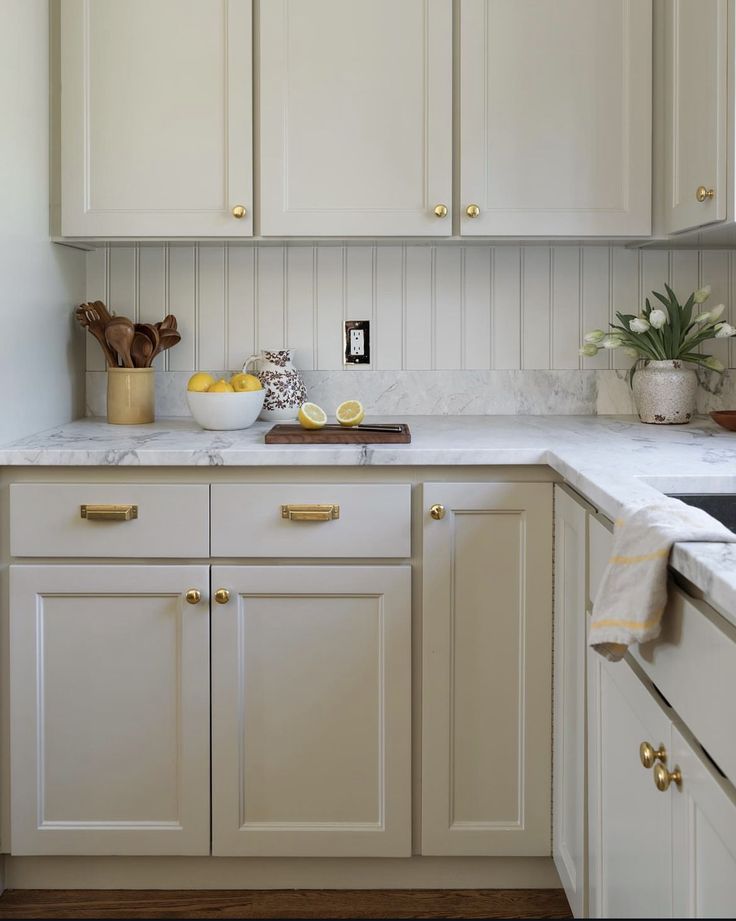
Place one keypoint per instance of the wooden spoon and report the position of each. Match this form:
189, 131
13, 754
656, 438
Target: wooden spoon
141, 350
88, 317
167, 339
119, 334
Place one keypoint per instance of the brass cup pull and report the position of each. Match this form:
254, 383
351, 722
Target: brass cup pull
222, 596
239, 211
440, 210
310, 512
702, 194
193, 596
649, 756
472, 211
437, 512
109, 512
663, 778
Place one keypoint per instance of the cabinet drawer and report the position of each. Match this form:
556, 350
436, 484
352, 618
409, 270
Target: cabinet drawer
693, 663
600, 541
171, 521
271, 520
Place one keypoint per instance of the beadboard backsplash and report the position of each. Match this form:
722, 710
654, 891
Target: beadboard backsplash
431, 307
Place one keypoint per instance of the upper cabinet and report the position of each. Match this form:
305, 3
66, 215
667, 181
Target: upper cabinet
156, 118
369, 113
555, 115
355, 118
692, 93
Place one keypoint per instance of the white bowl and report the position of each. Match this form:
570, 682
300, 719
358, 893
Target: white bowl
224, 412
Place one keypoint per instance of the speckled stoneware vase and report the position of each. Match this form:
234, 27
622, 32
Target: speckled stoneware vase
664, 392
285, 390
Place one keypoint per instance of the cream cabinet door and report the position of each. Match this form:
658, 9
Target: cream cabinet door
630, 821
569, 839
704, 835
109, 737
555, 117
355, 117
695, 99
486, 672
311, 711
156, 102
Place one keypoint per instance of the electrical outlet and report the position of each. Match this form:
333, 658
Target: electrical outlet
357, 342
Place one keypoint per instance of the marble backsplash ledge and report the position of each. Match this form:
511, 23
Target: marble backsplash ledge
392, 393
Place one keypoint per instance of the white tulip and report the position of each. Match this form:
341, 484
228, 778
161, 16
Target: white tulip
638, 325
710, 316
702, 294
714, 365
612, 341
589, 351
631, 352
594, 336
725, 330
658, 318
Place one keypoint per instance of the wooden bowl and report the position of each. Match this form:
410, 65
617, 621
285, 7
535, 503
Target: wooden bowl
725, 418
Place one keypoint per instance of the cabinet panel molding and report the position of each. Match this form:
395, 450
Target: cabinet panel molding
109, 710
156, 123
355, 117
486, 674
311, 701
558, 142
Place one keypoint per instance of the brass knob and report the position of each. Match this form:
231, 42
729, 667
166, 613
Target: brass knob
437, 512
472, 211
222, 596
239, 211
648, 756
663, 778
701, 193
193, 596
440, 210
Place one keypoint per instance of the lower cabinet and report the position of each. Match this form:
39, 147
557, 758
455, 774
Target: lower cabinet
662, 836
486, 668
110, 719
569, 825
311, 711
630, 820
704, 836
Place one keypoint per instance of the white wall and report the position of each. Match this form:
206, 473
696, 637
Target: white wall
41, 354
431, 307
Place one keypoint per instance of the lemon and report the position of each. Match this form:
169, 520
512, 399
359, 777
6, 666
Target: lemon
350, 412
200, 382
221, 386
312, 416
242, 382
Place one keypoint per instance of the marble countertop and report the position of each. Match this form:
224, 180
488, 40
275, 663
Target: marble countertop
615, 461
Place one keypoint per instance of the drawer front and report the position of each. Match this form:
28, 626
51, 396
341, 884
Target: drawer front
298, 520
600, 541
168, 521
693, 663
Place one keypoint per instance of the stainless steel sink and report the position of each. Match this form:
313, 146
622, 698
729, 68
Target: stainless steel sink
721, 506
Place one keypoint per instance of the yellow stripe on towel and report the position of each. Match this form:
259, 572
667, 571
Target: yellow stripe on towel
628, 624
645, 557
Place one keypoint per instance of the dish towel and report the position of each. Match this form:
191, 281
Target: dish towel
633, 591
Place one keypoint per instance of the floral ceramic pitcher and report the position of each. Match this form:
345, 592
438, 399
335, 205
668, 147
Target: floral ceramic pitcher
285, 390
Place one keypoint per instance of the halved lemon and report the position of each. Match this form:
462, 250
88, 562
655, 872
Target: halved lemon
350, 412
311, 416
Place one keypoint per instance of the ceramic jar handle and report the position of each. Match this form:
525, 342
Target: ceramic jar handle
248, 361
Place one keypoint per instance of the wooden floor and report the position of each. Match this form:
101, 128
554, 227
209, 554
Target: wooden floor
292, 903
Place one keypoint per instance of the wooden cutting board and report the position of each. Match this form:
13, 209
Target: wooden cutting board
288, 434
